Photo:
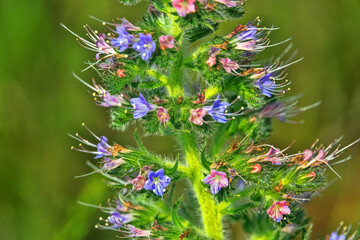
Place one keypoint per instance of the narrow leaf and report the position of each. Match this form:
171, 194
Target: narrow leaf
175, 216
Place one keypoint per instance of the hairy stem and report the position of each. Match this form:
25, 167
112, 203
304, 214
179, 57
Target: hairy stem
211, 216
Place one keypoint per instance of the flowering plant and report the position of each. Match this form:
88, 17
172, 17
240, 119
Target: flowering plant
146, 71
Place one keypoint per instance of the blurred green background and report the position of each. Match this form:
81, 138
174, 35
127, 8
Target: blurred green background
41, 102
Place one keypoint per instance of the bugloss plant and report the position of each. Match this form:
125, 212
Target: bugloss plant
167, 75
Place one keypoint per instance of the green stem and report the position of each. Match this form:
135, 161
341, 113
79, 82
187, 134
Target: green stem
210, 212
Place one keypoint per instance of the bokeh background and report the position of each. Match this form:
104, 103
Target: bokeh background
40, 102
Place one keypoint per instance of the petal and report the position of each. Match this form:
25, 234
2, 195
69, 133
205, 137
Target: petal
149, 185
159, 173
165, 181
285, 210
158, 189
151, 175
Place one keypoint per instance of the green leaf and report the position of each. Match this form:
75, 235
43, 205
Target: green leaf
139, 143
175, 217
306, 235
199, 31
151, 84
172, 170
238, 208
159, 5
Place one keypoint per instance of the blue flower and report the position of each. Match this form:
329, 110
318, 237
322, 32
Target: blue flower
118, 219
266, 85
217, 110
335, 236
102, 147
123, 40
247, 34
145, 45
157, 182
141, 106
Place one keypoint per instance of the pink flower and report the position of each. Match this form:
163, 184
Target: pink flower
278, 209
166, 41
311, 176
211, 61
136, 232
229, 65
217, 180
307, 154
246, 46
228, 3
256, 168
184, 7
196, 116
121, 73
162, 115
273, 156
138, 182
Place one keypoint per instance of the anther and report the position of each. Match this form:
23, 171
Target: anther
72, 147
100, 218
83, 124
96, 226
104, 23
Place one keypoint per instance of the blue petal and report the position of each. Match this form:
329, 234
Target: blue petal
165, 181
149, 185
159, 173
159, 189
151, 175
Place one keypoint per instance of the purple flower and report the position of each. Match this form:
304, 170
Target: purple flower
246, 46
129, 26
157, 182
141, 106
102, 147
109, 63
110, 164
123, 40
278, 209
117, 220
217, 180
145, 45
217, 110
103, 97
268, 86
97, 43
248, 34
335, 236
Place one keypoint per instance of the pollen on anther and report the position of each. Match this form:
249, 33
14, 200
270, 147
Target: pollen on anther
106, 224
83, 124
72, 147
104, 23
96, 226
76, 134
100, 218
125, 110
